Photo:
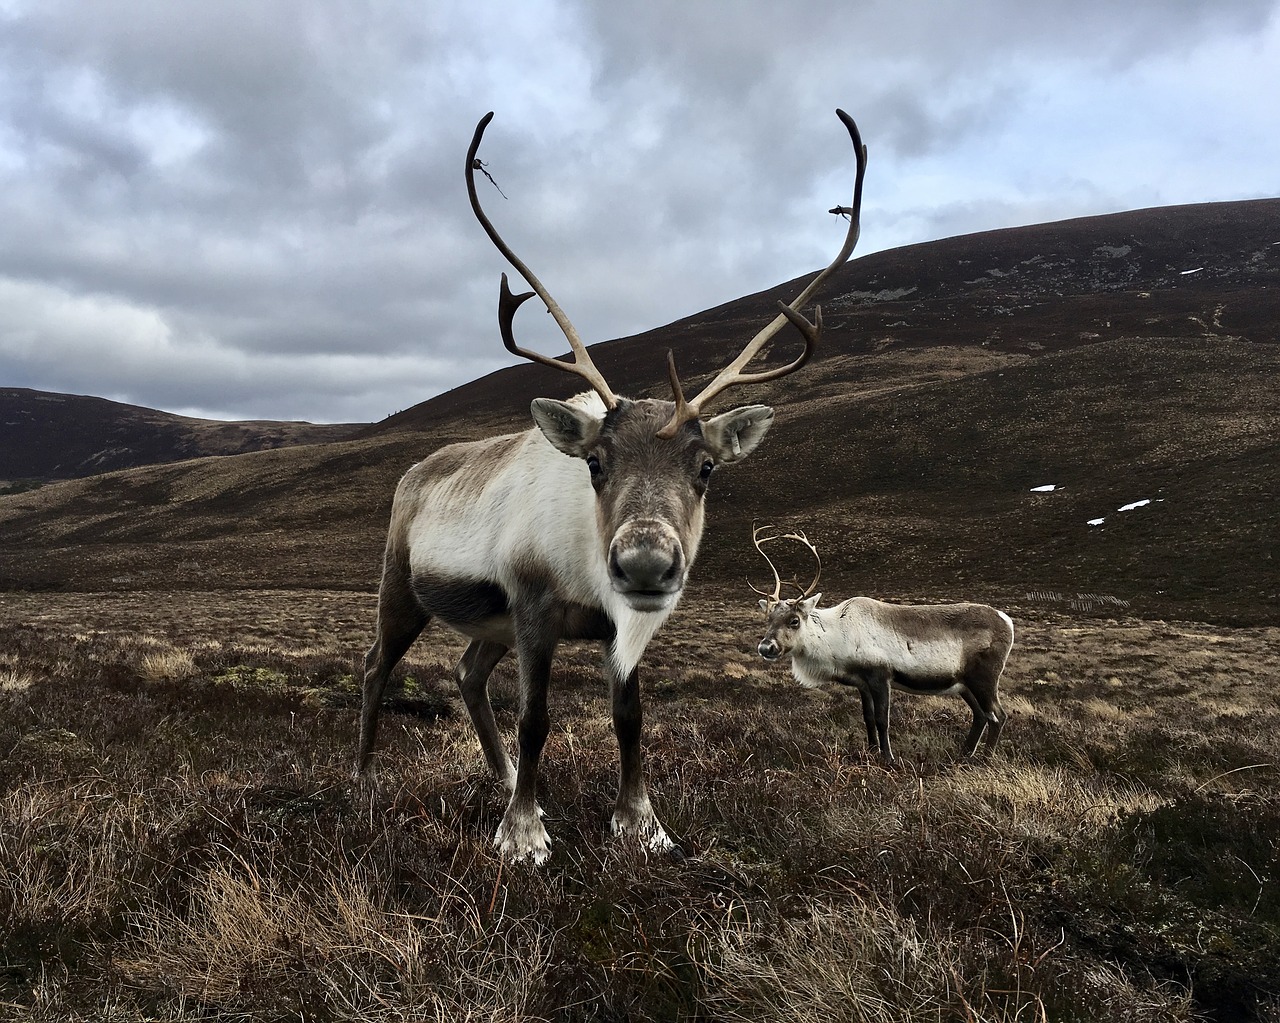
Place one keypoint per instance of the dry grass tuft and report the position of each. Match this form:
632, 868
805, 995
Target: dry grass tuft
343, 940
14, 681
167, 666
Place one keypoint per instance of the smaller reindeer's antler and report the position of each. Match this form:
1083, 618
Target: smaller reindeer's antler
798, 537
776, 595
801, 538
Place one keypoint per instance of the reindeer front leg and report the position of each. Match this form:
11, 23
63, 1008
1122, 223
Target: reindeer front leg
868, 716
521, 833
878, 690
873, 694
633, 815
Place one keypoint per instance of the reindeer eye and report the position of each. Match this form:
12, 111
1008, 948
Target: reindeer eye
795, 623
707, 467
593, 466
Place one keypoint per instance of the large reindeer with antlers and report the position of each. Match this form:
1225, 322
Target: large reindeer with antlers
876, 647
515, 545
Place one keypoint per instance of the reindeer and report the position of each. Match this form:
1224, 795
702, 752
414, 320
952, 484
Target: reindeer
515, 545
876, 647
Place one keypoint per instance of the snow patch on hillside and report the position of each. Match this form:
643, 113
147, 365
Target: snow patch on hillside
1131, 506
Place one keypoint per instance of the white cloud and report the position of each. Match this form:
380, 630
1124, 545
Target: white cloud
98, 344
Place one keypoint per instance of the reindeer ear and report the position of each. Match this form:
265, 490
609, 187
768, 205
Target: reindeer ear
764, 605
570, 428
810, 603
733, 435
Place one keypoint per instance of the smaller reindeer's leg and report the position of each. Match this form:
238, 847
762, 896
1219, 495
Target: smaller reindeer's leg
878, 688
472, 674
980, 722
633, 815
521, 833
988, 715
400, 621
994, 729
868, 707
981, 687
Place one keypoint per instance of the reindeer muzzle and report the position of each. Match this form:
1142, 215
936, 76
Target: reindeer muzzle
647, 566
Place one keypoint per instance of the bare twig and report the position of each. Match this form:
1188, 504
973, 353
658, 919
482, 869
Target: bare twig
482, 167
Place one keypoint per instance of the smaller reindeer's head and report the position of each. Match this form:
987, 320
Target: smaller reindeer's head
784, 623
785, 620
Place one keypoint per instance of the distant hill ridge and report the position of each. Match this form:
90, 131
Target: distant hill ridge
1023, 289
50, 436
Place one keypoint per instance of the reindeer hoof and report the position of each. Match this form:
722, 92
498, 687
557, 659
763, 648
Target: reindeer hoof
649, 833
522, 837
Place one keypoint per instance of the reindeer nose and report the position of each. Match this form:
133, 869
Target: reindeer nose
645, 568
768, 649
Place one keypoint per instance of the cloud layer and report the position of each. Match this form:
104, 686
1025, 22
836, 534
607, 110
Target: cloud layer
257, 210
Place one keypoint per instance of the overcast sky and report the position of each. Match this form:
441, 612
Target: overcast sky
256, 209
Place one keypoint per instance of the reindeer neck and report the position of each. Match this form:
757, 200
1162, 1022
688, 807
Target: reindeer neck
818, 636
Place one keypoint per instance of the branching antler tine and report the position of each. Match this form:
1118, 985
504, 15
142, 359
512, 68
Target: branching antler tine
813, 586
812, 334
733, 373
507, 306
686, 412
682, 409
582, 364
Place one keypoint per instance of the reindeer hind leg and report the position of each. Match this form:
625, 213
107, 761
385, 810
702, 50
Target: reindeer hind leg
401, 620
988, 717
981, 686
472, 674
998, 717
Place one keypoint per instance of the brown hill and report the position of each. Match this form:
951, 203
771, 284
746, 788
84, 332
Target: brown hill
1122, 358
48, 436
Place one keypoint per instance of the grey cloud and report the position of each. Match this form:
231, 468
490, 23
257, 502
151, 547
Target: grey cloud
275, 190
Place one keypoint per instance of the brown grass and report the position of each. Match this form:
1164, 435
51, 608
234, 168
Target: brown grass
179, 838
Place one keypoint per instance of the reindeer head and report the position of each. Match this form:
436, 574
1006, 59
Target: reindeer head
649, 490
650, 461
785, 619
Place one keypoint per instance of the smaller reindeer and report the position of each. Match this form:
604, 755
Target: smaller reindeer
876, 647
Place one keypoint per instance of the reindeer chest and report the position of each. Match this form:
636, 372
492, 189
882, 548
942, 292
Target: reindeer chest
811, 672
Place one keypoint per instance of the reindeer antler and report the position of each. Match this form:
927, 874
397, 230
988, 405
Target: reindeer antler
799, 537
776, 595
733, 374
508, 304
